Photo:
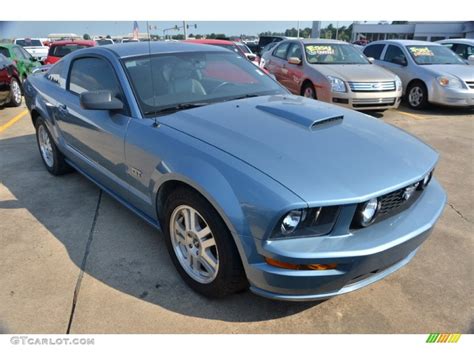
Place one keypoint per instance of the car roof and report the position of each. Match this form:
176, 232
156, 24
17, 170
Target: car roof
9, 45
209, 41
405, 42
320, 40
145, 48
458, 40
69, 41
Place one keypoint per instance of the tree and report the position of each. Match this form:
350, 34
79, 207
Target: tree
108, 36
86, 36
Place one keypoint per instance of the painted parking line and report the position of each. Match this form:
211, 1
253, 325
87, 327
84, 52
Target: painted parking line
412, 115
13, 120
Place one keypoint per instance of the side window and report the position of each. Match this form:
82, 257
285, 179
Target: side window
394, 54
18, 53
55, 74
449, 45
461, 50
26, 55
295, 51
5, 52
280, 51
374, 50
91, 74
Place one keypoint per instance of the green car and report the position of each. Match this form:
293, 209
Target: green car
25, 62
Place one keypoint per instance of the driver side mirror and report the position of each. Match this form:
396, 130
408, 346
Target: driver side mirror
470, 59
100, 100
400, 61
251, 56
371, 60
294, 60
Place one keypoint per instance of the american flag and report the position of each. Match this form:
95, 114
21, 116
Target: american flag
135, 30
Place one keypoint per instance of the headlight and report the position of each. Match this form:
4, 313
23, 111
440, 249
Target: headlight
426, 180
337, 85
366, 212
307, 222
291, 221
449, 82
398, 84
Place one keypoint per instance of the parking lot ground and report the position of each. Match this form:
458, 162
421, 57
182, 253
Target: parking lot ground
72, 258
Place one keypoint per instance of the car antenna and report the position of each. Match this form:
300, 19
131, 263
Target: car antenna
155, 123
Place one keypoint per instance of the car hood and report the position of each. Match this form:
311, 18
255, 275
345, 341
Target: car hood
355, 72
344, 157
463, 72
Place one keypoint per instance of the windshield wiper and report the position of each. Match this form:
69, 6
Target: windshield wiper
176, 108
241, 97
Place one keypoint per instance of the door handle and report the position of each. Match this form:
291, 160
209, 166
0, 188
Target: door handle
62, 109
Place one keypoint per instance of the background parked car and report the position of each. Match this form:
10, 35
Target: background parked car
264, 52
104, 41
334, 72
264, 40
429, 72
10, 87
34, 46
59, 49
24, 61
463, 47
247, 51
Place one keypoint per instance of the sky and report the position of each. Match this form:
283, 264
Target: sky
12, 29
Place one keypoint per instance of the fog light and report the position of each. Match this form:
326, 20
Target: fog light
285, 265
367, 212
291, 221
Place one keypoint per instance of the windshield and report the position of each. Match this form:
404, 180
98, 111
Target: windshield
425, 55
329, 53
195, 77
61, 51
29, 42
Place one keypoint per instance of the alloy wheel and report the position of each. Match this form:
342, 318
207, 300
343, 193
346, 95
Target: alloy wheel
415, 96
16, 91
45, 146
194, 244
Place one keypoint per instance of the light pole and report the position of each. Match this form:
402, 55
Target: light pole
185, 31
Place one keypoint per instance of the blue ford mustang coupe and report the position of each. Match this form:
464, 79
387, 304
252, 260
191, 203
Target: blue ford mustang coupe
251, 186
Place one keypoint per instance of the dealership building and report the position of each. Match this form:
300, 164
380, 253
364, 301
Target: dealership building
424, 31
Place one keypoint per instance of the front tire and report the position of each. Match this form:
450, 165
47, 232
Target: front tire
200, 245
308, 91
417, 95
15, 93
53, 159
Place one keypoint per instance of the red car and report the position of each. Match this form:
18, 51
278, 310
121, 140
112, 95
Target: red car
10, 87
59, 49
226, 44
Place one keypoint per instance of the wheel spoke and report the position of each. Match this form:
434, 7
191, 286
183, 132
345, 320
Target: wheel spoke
206, 244
208, 262
203, 233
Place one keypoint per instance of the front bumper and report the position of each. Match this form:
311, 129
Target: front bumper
362, 257
451, 97
367, 100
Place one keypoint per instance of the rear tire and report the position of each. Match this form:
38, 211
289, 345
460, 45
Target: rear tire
417, 95
15, 93
52, 158
223, 274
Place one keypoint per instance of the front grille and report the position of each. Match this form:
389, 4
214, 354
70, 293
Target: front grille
470, 84
373, 86
372, 102
393, 203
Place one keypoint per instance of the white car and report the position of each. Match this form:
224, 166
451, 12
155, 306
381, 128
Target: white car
463, 47
34, 46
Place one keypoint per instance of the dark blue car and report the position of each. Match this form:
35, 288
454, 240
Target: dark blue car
251, 186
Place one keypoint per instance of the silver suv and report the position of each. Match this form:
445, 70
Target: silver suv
429, 71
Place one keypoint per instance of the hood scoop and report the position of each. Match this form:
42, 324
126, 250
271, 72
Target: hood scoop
307, 117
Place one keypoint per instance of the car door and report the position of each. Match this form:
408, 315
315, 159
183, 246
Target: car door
276, 64
295, 72
392, 56
4, 79
30, 62
20, 61
95, 137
